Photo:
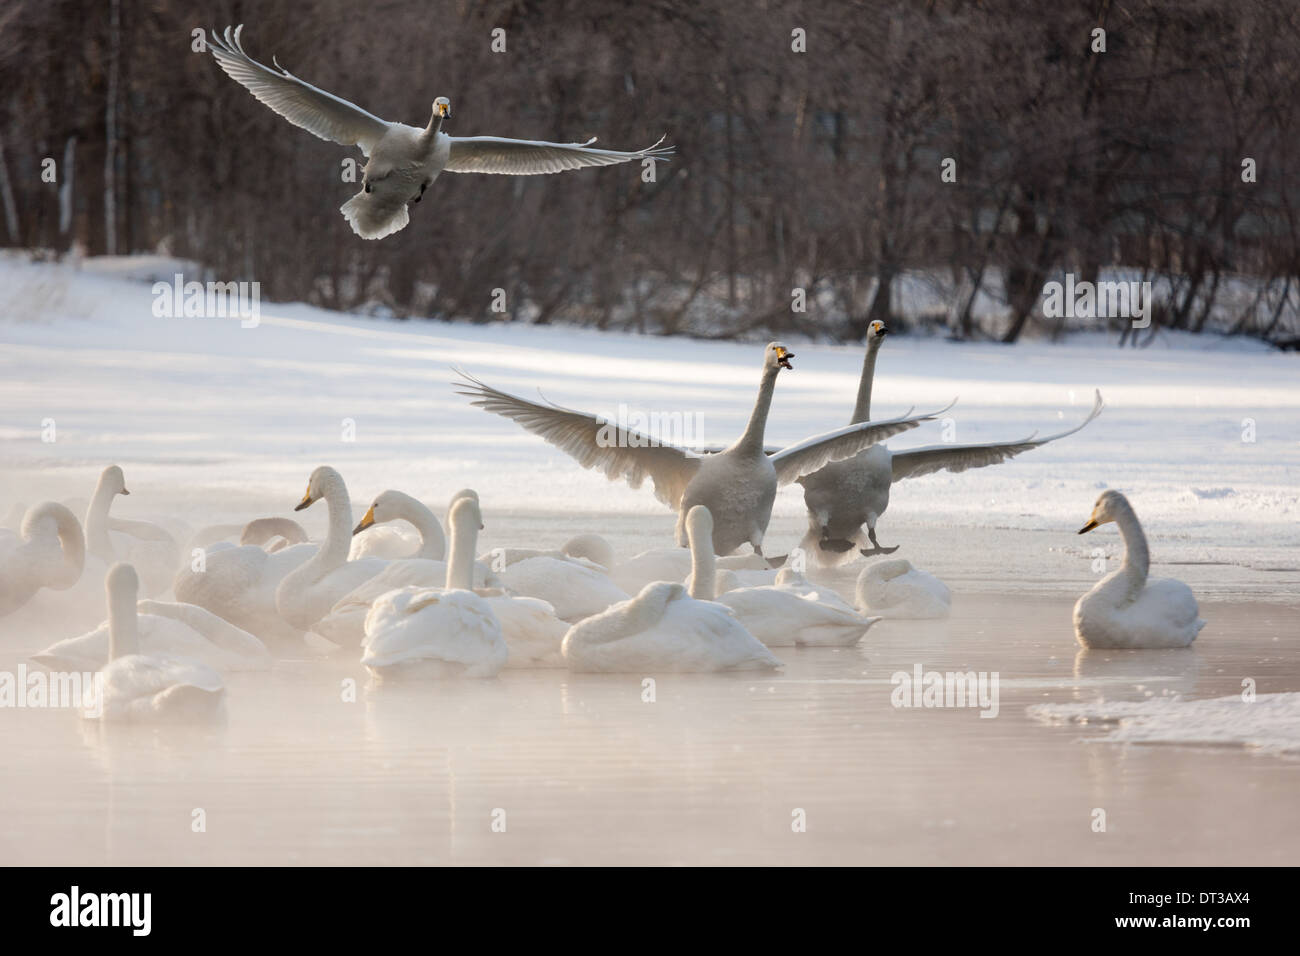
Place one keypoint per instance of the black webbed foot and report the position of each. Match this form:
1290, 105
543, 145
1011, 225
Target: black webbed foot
868, 552
837, 545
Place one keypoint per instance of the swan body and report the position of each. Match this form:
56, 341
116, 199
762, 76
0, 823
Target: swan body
664, 628
737, 484
674, 564
403, 160
532, 631
139, 686
893, 588
438, 632
1128, 609
165, 629
573, 588
239, 584
588, 548
846, 498
149, 548
781, 615
48, 552
375, 537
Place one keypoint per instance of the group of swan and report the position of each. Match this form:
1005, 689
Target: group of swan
737, 484
402, 161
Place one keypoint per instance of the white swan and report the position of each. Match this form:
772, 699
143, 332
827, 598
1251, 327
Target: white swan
149, 548
165, 628
1126, 608
674, 564
403, 160
664, 628
373, 538
139, 686
48, 552
271, 534
438, 632
847, 495
306, 594
588, 547
737, 484
778, 616
572, 587
893, 588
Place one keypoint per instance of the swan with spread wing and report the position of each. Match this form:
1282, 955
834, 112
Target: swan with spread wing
402, 160
738, 484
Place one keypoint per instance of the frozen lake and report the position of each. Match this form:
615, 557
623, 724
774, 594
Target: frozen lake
215, 423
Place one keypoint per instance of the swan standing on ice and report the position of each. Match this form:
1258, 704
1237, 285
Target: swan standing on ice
777, 616
146, 546
1126, 608
438, 632
403, 160
139, 686
893, 588
666, 629
738, 484
48, 552
845, 495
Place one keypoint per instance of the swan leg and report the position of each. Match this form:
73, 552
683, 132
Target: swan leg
875, 545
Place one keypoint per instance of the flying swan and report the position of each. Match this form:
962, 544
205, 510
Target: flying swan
738, 484
403, 160
1126, 608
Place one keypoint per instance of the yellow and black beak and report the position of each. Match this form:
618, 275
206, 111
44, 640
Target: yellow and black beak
307, 499
1088, 527
444, 109
783, 357
124, 492
366, 520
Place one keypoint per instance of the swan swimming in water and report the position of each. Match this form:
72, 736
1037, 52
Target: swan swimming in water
737, 484
149, 548
139, 686
664, 628
893, 588
48, 552
438, 632
845, 496
374, 538
1126, 608
403, 160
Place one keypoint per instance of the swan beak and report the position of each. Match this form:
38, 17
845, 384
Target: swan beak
125, 492
307, 499
366, 521
783, 358
1088, 527
884, 330
444, 109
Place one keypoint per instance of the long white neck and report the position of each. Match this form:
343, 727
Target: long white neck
704, 584
460, 568
751, 441
97, 540
862, 408
64, 571
1137, 557
433, 544
123, 625
333, 553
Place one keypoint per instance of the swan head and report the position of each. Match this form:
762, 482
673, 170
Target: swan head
321, 480
122, 583
465, 513
777, 356
113, 481
442, 108
1108, 507
699, 524
876, 332
389, 506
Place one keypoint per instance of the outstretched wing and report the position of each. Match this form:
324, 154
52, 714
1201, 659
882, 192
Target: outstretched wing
529, 157
593, 443
812, 453
323, 114
932, 458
